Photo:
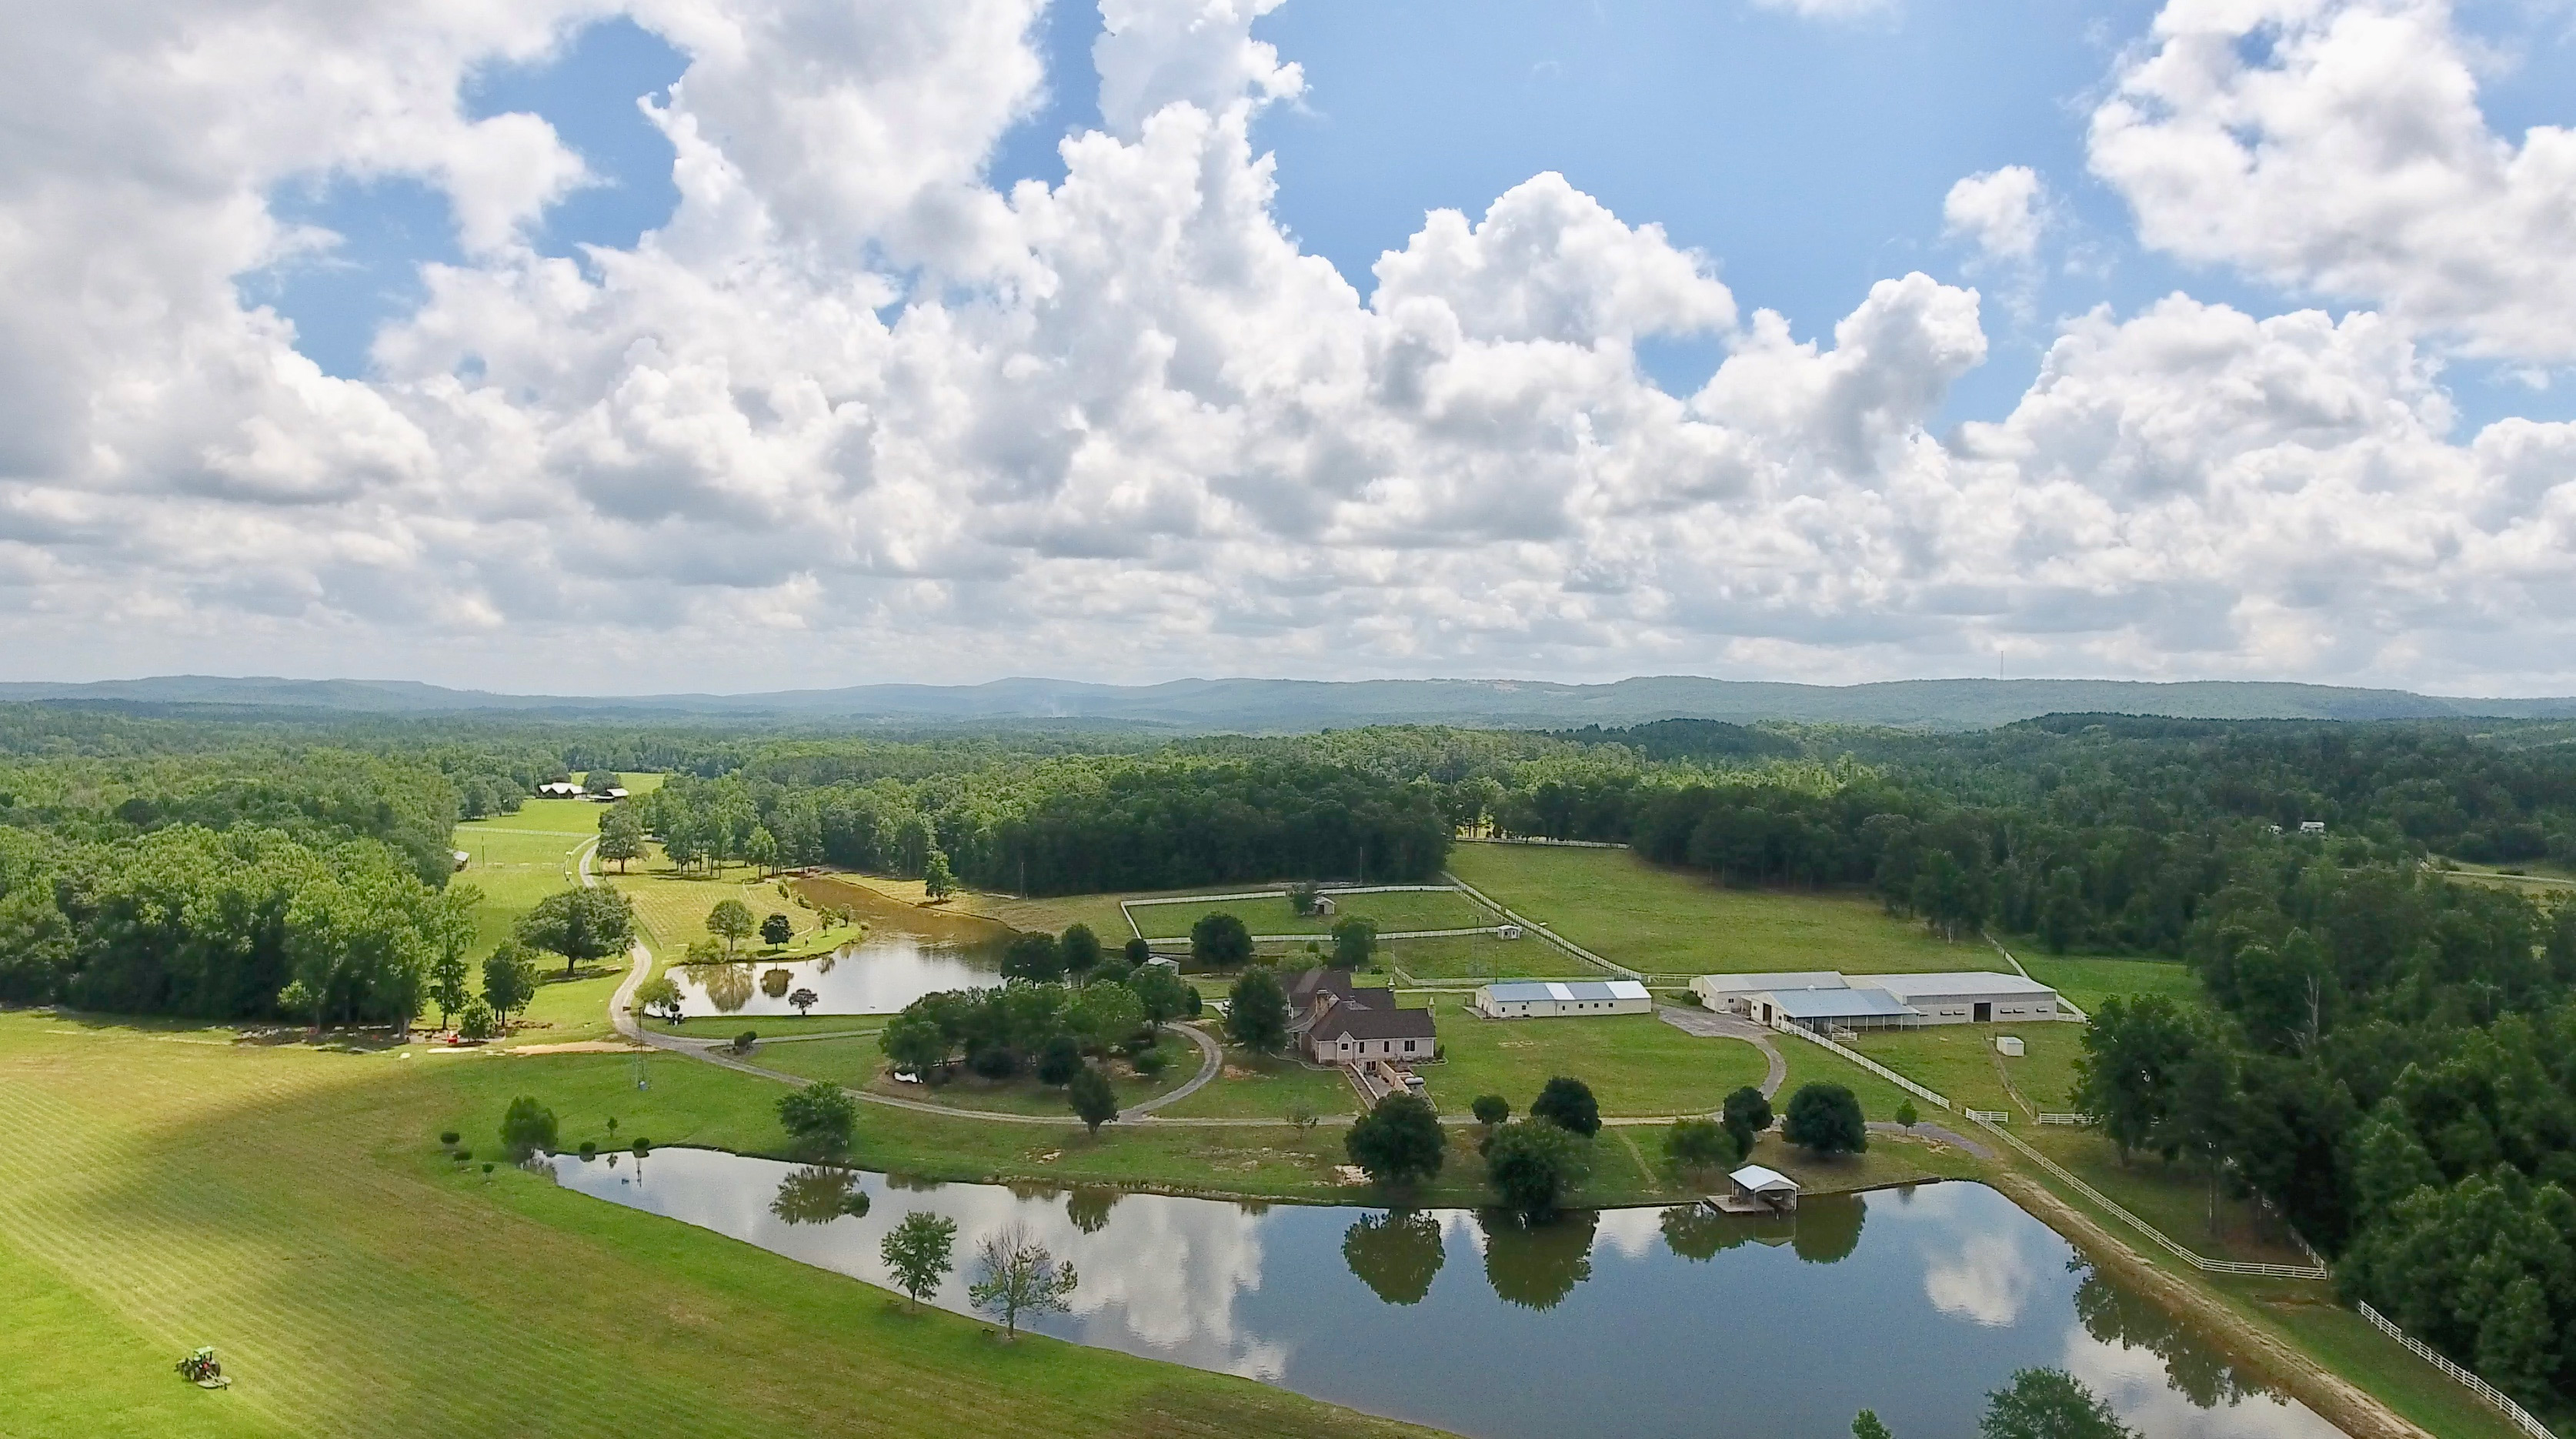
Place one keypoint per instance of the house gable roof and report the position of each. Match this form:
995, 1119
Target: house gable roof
1350, 1021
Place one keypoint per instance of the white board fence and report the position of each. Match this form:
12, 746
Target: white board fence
2520, 1416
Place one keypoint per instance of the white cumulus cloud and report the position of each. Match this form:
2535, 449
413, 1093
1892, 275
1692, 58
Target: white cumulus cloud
854, 414
1997, 210
2337, 147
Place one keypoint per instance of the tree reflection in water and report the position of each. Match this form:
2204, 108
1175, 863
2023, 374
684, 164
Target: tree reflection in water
1698, 1233
728, 986
1829, 1228
774, 983
1396, 1254
1088, 1209
2117, 1316
1535, 1264
819, 1194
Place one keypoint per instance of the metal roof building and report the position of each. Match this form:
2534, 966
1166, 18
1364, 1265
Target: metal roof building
1970, 997
1551, 998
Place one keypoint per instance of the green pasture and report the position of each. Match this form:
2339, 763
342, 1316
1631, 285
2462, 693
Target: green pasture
1669, 921
2090, 979
1960, 1061
292, 1207
1402, 910
672, 908
1476, 958
1254, 1086
1635, 1063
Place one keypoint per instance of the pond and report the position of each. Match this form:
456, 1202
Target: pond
1639, 1322
908, 952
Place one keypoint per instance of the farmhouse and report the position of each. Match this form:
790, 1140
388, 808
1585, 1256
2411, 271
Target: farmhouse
1552, 999
1312, 992
1354, 1033
1969, 998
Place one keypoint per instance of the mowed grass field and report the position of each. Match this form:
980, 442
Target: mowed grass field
1960, 1061
169, 1188
1664, 921
1475, 958
518, 859
672, 908
1401, 910
2090, 979
1635, 1063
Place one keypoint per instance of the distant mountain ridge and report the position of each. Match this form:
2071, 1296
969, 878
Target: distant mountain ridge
1268, 705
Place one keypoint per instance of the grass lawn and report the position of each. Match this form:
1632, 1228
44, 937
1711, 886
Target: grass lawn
1635, 1063
1253, 1086
2090, 979
515, 867
1475, 958
2346, 1343
1809, 1064
2171, 1197
1445, 909
672, 908
1959, 1060
168, 1188
1667, 921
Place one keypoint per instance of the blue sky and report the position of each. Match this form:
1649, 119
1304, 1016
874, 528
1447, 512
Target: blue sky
627, 380
1808, 158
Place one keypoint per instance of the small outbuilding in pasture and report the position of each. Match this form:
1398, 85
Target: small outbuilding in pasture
1557, 999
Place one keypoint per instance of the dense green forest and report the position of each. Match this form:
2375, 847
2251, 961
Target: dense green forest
2388, 1055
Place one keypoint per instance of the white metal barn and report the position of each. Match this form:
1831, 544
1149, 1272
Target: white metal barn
1974, 997
1823, 1010
1553, 999
1726, 993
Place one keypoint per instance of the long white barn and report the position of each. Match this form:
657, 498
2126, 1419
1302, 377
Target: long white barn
1829, 999
1557, 999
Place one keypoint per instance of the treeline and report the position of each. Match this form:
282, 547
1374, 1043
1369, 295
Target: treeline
1076, 824
2393, 1064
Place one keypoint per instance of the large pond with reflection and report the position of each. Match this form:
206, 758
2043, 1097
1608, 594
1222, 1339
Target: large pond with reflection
908, 952
1637, 1322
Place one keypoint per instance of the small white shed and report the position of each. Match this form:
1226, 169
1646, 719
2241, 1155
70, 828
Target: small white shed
1766, 1186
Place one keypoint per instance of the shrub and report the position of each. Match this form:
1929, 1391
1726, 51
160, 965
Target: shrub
1532, 1163
1700, 1144
526, 1128
589, 1150
1397, 1142
1825, 1118
1094, 1102
476, 1021
1907, 1114
643, 1147
448, 1137
994, 1061
1747, 1107
1060, 1060
743, 1042
820, 1118
1491, 1109
1218, 940
1151, 1062
1568, 1104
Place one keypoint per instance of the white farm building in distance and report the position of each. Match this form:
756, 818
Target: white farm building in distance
1555, 999
1828, 999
